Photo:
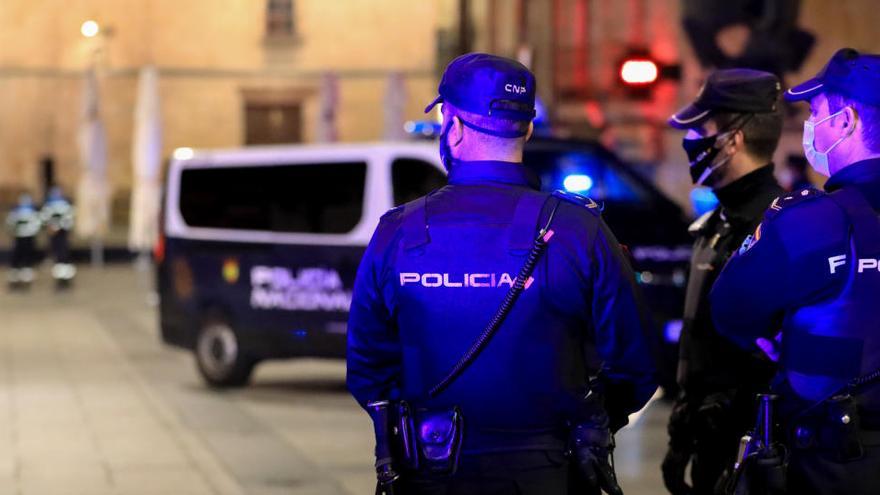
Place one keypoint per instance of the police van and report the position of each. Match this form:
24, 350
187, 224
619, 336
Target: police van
261, 245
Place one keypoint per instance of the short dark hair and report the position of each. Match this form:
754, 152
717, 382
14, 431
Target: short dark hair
761, 131
869, 115
498, 124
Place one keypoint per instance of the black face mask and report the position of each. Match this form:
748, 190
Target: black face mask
701, 153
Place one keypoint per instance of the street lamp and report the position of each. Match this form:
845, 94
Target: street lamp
90, 29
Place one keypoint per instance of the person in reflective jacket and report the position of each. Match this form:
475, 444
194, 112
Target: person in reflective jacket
23, 223
436, 271
804, 287
57, 216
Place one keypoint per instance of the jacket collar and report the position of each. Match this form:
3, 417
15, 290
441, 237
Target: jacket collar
865, 171
482, 172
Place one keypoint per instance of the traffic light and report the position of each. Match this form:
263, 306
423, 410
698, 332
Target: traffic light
639, 72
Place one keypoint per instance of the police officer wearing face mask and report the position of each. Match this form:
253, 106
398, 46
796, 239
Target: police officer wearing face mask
811, 272
733, 128
569, 361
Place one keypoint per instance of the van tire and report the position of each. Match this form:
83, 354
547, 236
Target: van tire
219, 357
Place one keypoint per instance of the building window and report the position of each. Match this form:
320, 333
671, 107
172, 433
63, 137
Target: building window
273, 115
273, 123
279, 19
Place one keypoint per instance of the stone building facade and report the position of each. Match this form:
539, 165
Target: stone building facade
230, 72
239, 71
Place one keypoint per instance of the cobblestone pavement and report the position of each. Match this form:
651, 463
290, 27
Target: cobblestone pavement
92, 403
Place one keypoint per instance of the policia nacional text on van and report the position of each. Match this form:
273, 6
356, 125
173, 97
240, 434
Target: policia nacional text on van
566, 356
811, 271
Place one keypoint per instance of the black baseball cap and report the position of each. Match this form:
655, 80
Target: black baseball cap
488, 85
848, 73
730, 91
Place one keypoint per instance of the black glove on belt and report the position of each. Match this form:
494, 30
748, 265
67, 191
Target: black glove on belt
592, 447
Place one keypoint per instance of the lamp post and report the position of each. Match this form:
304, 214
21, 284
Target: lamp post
92, 221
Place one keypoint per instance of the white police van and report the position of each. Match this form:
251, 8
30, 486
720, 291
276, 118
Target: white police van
261, 246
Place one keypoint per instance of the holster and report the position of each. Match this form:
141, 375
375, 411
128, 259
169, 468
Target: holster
429, 442
834, 429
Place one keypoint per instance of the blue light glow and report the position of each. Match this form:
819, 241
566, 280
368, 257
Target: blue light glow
703, 200
672, 331
578, 183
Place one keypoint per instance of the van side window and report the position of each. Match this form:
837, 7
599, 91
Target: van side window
326, 198
412, 178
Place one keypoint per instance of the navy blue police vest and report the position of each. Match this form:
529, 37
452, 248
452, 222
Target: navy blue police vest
831, 342
450, 276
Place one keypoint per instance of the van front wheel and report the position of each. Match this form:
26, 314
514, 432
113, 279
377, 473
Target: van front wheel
219, 357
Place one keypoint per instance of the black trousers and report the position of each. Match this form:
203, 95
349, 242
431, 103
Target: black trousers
815, 472
717, 441
509, 473
60, 247
23, 252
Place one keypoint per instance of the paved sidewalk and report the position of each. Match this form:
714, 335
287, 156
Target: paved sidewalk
92, 403
76, 417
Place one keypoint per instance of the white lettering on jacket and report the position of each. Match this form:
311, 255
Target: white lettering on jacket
477, 280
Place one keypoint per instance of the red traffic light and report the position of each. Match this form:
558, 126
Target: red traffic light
639, 71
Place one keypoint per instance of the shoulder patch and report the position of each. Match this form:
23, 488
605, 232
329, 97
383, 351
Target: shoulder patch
790, 200
750, 240
579, 200
390, 212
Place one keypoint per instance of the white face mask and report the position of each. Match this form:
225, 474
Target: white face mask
819, 159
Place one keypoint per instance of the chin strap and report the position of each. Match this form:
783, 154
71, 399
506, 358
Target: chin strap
493, 132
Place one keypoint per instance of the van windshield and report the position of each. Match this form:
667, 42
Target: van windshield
325, 198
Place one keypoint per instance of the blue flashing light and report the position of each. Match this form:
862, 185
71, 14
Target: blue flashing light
426, 129
578, 183
299, 333
672, 331
703, 200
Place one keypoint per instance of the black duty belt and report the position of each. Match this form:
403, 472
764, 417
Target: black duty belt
504, 441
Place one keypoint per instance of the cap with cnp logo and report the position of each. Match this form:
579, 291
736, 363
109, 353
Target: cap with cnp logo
733, 91
488, 85
848, 73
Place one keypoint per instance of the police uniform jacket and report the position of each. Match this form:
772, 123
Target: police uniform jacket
811, 271
436, 271
709, 362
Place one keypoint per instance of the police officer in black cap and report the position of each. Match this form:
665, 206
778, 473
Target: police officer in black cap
460, 408
811, 271
733, 128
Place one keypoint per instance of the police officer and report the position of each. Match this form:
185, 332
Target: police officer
437, 270
733, 128
23, 222
57, 216
811, 271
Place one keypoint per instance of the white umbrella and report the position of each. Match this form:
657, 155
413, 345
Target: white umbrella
329, 100
93, 210
395, 107
146, 159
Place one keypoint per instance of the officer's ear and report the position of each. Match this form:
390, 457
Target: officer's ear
850, 118
456, 131
737, 142
530, 130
